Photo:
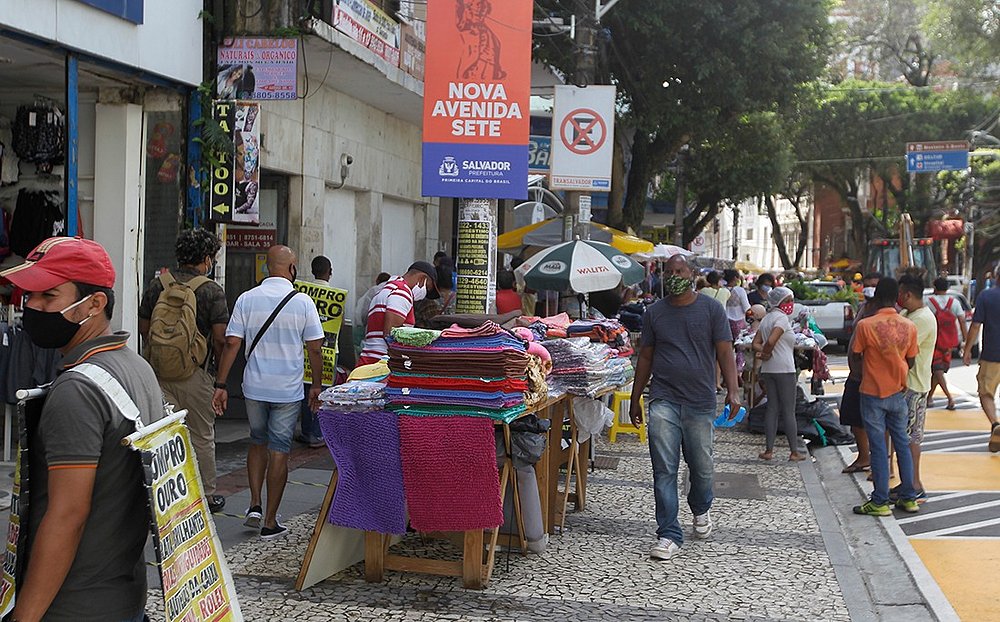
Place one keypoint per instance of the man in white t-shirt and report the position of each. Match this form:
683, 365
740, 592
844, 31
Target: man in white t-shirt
275, 321
942, 303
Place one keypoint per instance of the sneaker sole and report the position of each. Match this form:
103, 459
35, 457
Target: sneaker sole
701, 535
253, 522
274, 536
661, 556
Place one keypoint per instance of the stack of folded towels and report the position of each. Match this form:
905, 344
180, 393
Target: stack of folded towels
580, 367
610, 332
480, 372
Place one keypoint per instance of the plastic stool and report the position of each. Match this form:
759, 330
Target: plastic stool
621, 402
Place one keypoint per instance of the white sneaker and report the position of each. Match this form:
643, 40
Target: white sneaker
665, 548
703, 525
254, 517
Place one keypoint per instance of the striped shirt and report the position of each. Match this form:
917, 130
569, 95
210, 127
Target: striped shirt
395, 297
274, 372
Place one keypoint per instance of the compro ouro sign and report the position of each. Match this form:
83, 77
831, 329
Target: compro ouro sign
583, 137
476, 99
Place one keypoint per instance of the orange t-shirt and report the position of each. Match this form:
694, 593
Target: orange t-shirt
886, 340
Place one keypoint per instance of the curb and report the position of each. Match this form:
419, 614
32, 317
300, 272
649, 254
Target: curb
938, 603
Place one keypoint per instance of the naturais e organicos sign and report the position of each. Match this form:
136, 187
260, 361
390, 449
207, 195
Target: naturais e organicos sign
476, 99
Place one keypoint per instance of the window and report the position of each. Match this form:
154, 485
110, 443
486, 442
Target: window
749, 235
130, 10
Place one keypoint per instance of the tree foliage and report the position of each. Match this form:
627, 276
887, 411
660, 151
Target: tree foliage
684, 69
967, 30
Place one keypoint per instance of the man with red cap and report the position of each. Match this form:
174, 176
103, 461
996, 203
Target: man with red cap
89, 515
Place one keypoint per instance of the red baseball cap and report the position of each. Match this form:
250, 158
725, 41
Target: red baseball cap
58, 260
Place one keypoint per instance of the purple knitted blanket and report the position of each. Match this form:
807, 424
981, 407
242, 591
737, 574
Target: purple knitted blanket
365, 446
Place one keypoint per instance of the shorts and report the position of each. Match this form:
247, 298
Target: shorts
916, 405
988, 377
273, 424
850, 404
941, 360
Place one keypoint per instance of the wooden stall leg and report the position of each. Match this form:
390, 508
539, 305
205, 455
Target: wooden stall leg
472, 560
574, 459
374, 556
582, 470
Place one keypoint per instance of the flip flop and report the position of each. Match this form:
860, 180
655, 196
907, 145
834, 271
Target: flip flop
950, 407
857, 468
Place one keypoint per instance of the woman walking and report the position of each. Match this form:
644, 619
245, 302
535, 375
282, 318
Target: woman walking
737, 306
775, 346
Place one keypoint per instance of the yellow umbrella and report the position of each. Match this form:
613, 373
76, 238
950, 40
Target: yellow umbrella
549, 233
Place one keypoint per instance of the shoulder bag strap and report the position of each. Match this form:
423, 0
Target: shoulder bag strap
198, 281
110, 386
166, 278
937, 307
270, 320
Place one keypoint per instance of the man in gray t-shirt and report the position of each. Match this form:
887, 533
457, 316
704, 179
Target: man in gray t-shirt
89, 516
684, 336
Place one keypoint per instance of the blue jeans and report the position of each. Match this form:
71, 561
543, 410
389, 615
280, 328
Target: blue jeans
309, 421
881, 414
674, 428
272, 424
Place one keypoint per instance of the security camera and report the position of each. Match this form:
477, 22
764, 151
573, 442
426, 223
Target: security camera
346, 159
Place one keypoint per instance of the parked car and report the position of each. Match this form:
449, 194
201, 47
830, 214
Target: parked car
835, 318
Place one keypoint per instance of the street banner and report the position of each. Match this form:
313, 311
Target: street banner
477, 88
475, 259
257, 68
583, 138
370, 26
235, 192
331, 304
15, 552
197, 585
539, 154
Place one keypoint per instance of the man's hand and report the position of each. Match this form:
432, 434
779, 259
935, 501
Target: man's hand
967, 357
219, 402
314, 391
734, 401
635, 412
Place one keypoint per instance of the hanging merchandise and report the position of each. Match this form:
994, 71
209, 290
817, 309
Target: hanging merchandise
8, 159
39, 134
37, 217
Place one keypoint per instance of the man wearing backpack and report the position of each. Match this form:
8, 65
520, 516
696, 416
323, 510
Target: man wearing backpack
950, 320
182, 320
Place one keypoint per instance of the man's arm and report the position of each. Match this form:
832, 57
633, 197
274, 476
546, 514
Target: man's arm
315, 350
392, 320
56, 542
144, 328
218, 336
221, 398
971, 342
643, 370
726, 357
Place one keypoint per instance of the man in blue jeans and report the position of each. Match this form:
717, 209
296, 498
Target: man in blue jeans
684, 336
274, 321
887, 343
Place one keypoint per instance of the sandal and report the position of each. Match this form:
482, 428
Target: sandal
854, 467
950, 406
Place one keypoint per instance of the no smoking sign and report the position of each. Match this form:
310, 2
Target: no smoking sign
584, 131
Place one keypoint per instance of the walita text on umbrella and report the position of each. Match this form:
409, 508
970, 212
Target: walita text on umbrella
592, 270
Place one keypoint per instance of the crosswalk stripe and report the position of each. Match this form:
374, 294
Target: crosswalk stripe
952, 439
952, 495
959, 528
951, 512
978, 445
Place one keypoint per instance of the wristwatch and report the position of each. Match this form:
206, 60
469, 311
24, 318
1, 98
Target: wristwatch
219, 385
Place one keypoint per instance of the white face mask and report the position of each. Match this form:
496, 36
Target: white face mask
419, 292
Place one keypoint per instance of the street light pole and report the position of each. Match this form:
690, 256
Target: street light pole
680, 207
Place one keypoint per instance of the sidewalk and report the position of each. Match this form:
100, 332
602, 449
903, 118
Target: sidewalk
775, 554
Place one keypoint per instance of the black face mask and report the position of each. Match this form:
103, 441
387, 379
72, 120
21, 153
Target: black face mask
50, 329
295, 273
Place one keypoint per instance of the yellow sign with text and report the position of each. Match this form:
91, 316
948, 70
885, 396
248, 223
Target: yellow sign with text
331, 303
197, 585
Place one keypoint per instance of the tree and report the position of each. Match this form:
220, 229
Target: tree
887, 36
797, 188
684, 68
967, 30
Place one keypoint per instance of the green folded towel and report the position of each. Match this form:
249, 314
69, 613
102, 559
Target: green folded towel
417, 337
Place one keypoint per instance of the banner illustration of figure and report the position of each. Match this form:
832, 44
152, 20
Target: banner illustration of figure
481, 55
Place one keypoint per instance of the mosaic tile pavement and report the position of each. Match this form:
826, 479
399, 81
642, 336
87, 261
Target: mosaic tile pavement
765, 561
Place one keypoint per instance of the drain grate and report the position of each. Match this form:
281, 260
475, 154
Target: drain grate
606, 462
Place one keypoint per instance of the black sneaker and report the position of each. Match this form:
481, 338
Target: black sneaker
216, 503
273, 533
255, 514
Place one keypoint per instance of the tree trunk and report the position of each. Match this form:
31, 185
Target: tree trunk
616, 199
779, 240
639, 175
708, 209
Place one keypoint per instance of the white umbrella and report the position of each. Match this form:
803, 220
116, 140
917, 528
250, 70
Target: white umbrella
581, 265
662, 252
